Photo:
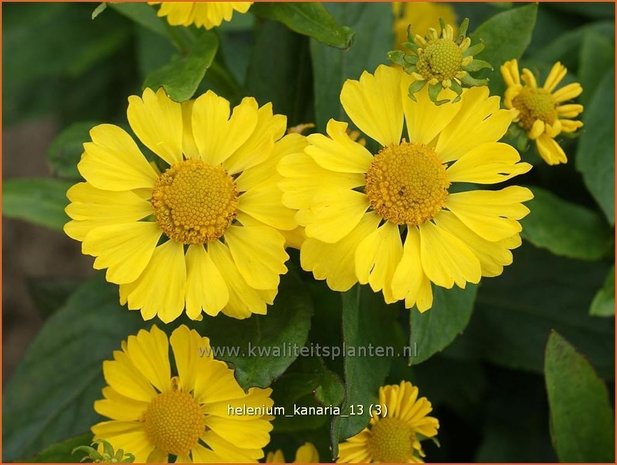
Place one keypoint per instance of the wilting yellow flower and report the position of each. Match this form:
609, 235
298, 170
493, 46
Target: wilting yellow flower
357, 206
421, 16
206, 14
395, 429
202, 231
156, 414
306, 453
542, 111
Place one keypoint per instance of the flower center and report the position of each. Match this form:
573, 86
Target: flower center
441, 59
174, 422
406, 183
194, 202
533, 104
391, 441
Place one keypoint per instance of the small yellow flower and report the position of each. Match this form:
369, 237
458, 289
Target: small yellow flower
203, 232
421, 16
442, 61
156, 414
392, 219
306, 453
394, 434
201, 14
542, 111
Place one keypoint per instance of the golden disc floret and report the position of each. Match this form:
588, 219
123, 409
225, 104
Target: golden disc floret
534, 103
391, 441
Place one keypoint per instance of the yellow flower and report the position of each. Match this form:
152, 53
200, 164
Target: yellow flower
421, 16
156, 414
357, 206
206, 14
306, 453
203, 231
542, 111
395, 431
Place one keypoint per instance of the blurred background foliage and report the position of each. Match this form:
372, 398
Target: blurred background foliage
518, 368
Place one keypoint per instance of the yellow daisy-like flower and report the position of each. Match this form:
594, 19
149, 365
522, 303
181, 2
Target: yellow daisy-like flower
421, 16
202, 232
306, 453
155, 414
201, 14
395, 431
357, 206
542, 111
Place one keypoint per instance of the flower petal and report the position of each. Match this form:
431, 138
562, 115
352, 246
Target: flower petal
118, 407
206, 289
149, 350
550, 150
126, 379
127, 435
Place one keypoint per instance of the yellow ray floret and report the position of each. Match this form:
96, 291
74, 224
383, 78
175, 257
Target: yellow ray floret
200, 14
306, 453
420, 16
396, 219
201, 229
543, 112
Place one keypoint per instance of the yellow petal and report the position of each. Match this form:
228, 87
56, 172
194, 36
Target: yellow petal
177, 13
252, 434
149, 350
409, 276
118, 407
88, 202
550, 150
124, 249
113, 162
568, 92
259, 254
266, 205
126, 379
338, 152
556, 75
491, 214
377, 258
489, 163
571, 110
188, 348
307, 453
570, 126
333, 214
233, 452
205, 287
218, 135
160, 289
478, 121
157, 121
510, 73
446, 259
215, 382
336, 262
374, 104
256, 397
188, 140
127, 435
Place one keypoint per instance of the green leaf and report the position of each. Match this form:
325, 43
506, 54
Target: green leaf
565, 228
50, 294
505, 36
372, 23
98, 10
143, 14
310, 19
51, 394
537, 293
279, 71
595, 156
62, 452
265, 344
590, 10
182, 76
38, 201
435, 329
597, 57
582, 425
603, 303
366, 320
65, 151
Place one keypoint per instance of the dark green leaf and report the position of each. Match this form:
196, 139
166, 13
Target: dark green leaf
50, 294
143, 14
596, 59
62, 452
435, 329
267, 344
538, 292
38, 201
279, 71
66, 150
565, 228
51, 393
591, 10
582, 425
310, 19
603, 303
505, 36
372, 23
366, 320
182, 76
595, 157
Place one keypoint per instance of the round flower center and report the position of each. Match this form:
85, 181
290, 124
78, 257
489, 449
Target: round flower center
406, 183
391, 441
174, 422
533, 104
441, 59
194, 202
